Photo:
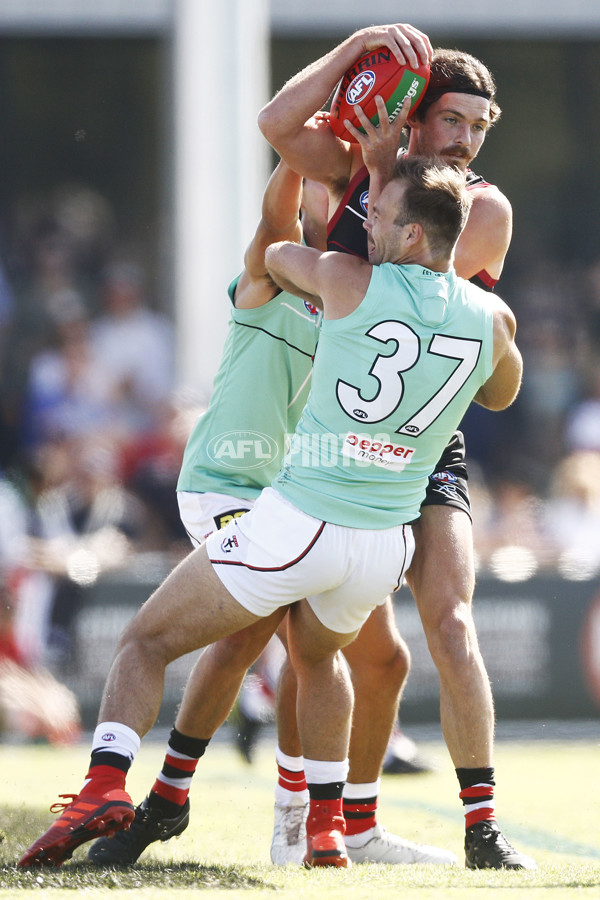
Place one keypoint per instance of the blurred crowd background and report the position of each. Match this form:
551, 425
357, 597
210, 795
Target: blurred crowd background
93, 420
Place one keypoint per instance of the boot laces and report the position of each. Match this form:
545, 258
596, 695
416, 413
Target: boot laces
293, 823
60, 806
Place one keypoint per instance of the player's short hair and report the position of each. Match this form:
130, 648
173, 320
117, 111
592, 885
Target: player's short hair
457, 72
435, 197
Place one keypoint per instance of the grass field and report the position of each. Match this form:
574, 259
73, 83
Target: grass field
548, 804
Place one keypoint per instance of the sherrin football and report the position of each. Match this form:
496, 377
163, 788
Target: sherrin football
376, 72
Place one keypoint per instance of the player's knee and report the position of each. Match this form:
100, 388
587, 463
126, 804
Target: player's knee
388, 670
239, 650
393, 670
396, 662
141, 637
452, 638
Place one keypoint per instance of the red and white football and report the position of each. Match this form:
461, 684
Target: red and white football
376, 72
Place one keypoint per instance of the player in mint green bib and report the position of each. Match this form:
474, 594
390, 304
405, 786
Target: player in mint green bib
259, 392
393, 376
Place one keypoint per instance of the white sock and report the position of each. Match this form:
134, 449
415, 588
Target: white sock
292, 763
325, 771
361, 791
116, 738
284, 796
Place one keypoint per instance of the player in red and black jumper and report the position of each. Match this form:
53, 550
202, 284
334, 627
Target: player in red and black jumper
451, 125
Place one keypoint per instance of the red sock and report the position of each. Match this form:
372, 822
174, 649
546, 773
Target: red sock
477, 794
478, 803
291, 781
175, 778
325, 815
100, 779
360, 815
172, 785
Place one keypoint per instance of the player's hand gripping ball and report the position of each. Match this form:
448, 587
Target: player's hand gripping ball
376, 72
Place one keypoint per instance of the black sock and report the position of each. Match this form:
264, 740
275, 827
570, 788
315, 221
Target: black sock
171, 788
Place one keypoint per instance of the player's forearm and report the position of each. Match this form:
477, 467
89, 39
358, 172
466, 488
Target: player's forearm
306, 93
291, 266
281, 202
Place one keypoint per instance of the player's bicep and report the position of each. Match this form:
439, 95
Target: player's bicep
484, 242
254, 258
293, 267
503, 385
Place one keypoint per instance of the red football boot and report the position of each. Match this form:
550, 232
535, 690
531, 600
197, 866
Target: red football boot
325, 829
327, 848
83, 818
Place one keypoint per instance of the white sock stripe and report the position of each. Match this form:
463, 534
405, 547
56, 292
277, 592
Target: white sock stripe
183, 784
360, 791
291, 763
486, 804
319, 771
176, 755
283, 797
286, 781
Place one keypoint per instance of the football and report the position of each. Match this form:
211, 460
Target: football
376, 72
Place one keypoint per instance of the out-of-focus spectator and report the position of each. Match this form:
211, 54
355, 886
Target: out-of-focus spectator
7, 307
545, 297
82, 522
582, 429
67, 394
47, 276
13, 525
8, 436
135, 346
150, 466
551, 385
573, 514
33, 704
591, 305
509, 529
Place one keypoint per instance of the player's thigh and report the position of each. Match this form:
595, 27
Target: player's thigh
190, 609
243, 647
442, 574
309, 640
282, 631
378, 642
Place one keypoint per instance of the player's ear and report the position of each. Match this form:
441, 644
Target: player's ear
414, 232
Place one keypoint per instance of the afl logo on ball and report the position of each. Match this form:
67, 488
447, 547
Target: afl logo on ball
360, 87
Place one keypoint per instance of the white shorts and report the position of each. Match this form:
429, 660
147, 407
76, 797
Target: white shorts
203, 513
276, 554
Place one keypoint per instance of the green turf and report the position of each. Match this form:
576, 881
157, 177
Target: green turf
548, 804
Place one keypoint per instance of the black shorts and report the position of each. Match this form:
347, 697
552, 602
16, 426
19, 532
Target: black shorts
448, 484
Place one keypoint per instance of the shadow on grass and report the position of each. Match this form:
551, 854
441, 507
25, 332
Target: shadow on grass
80, 876
20, 827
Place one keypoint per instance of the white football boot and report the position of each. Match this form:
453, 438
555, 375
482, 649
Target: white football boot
384, 847
288, 846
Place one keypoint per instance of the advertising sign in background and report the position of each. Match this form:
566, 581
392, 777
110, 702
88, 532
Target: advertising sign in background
540, 640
